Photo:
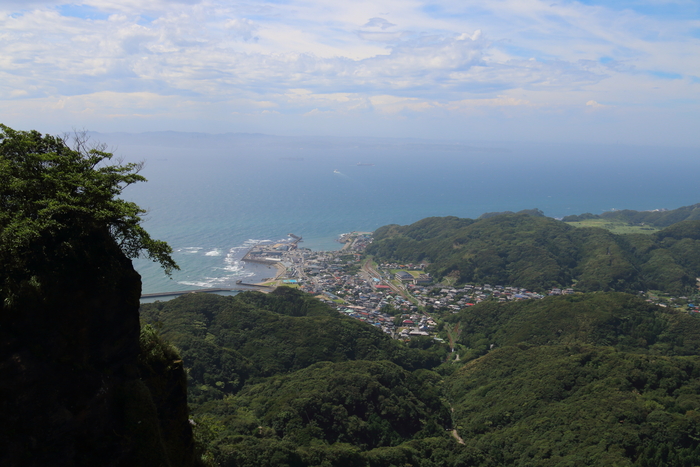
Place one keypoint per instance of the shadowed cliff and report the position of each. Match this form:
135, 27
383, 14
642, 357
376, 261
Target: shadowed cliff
75, 384
80, 383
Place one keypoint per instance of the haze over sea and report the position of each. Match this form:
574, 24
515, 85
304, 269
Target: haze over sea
213, 196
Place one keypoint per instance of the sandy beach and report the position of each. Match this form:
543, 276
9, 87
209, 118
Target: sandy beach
281, 270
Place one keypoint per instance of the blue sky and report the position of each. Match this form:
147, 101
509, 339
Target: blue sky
625, 71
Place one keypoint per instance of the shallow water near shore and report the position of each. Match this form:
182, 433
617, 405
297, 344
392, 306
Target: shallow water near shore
212, 199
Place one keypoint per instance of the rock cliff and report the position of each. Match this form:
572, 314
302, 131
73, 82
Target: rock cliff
80, 384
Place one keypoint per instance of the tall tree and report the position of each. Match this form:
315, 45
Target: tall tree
57, 193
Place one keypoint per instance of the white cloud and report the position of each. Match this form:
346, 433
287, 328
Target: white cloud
393, 104
594, 104
146, 59
500, 101
381, 36
241, 27
377, 22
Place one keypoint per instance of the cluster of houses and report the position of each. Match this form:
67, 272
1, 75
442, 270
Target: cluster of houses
358, 241
402, 326
415, 279
456, 299
416, 325
357, 298
690, 304
374, 317
366, 300
556, 291
410, 266
369, 301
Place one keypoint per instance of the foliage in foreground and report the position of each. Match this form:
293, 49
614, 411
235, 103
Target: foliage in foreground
73, 388
56, 200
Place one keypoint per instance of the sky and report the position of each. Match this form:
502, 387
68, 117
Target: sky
593, 71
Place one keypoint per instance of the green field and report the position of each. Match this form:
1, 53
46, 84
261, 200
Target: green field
616, 227
413, 273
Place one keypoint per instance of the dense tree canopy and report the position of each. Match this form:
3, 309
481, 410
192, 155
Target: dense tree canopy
227, 342
57, 195
528, 250
656, 218
585, 379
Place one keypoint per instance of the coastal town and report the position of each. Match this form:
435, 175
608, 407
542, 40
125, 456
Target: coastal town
401, 299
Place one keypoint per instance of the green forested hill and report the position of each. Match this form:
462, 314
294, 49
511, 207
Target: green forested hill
579, 405
356, 405
612, 319
228, 341
655, 218
538, 253
593, 379
282, 379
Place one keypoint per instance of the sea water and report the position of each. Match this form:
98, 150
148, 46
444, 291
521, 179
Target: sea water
213, 197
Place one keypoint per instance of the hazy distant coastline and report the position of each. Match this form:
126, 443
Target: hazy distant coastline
205, 191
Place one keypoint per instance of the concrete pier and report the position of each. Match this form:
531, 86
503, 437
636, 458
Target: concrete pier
239, 287
183, 292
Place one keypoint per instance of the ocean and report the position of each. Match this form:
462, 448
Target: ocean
211, 197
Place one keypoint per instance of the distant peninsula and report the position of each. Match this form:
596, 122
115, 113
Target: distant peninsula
527, 249
656, 218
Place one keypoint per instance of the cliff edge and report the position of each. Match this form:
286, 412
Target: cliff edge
77, 387
80, 383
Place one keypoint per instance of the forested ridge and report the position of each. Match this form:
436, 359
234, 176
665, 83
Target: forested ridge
586, 379
231, 341
531, 251
658, 218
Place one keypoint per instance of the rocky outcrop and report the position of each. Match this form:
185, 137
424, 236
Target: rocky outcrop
75, 385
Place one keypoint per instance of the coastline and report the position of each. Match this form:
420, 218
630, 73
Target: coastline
281, 270
260, 270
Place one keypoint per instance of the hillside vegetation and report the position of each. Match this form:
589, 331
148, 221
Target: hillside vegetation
587, 379
535, 252
654, 218
579, 405
613, 319
592, 379
228, 342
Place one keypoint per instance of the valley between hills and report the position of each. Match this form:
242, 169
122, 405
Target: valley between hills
542, 344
